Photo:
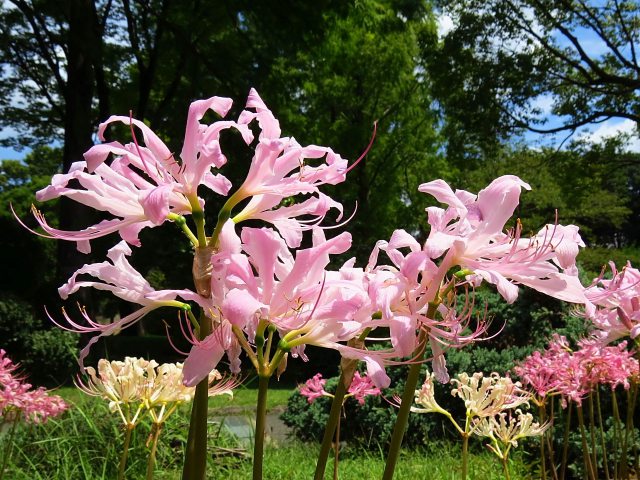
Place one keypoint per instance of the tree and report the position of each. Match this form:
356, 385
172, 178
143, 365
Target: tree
592, 186
366, 68
505, 58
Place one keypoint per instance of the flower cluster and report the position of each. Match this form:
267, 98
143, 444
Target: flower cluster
18, 400
254, 282
614, 305
361, 387
136, 385
506, 428
574, 374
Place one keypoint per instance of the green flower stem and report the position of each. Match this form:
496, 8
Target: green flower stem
546, 436
543, 461
617, 427
592, 430
465, 455
151, 463
585, 449
407, 400
8, 449
347, 371
261, 414
505, 467
125, 450
565, 443
180, 221
223, 215
195, 462
331, 426
336, 450
245, 346
602, 438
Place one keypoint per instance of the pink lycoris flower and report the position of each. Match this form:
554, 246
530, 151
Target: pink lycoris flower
307, 304
361, 387
314, 388
615, 304
471, 230
144, 184
122, 280
573, 374
17, 398
282, 168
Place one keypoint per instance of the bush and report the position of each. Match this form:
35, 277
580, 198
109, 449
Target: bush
46, 354
519, 329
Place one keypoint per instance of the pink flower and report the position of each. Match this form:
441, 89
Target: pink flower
472, 229
307, 304
314, 388
144, 184
281, 168
121, 279
17, 398
615, 304
362, 386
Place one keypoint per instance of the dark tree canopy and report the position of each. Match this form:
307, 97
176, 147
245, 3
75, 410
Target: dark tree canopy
504, 58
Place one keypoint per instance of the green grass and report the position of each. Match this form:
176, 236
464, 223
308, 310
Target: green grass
297, 462
244, 396
86, 442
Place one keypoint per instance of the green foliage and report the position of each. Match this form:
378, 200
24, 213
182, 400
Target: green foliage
47, 355
503, 61
592, 186
28, 260
86, 442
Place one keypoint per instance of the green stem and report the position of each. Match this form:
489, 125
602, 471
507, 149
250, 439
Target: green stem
505, 467
347, 371
585, 449
592, 432
9, 448
195, 461
625, 441
180, 221
261, 417
336, 450
407, 400
402, 419
565, 443
617, 427
125, 450
331, 426
151, 463
602, 438
547, 436
543, 463
465, 455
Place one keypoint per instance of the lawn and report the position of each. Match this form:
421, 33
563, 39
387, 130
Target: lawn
86, 443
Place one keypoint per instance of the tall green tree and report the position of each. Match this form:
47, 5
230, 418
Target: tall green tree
503, 60
367, 69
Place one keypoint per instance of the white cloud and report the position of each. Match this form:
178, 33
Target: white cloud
612, 128
445, 24
544, 103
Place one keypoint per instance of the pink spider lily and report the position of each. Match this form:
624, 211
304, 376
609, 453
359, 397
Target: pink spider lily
399, 293
18, 400
281, 168
361, 387
306, 304
122, 280
470, 230
314, 388
143, 185
615, 304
